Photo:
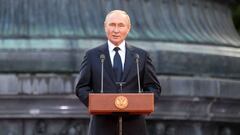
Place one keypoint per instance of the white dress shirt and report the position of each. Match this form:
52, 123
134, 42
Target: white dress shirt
122, 52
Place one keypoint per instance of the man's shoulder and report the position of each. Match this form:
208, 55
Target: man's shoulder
96, 49
137, 49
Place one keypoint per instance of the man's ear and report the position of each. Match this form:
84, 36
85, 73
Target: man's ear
105, 27
129, 28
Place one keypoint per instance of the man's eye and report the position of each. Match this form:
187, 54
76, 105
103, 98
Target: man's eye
121, 25
111, 24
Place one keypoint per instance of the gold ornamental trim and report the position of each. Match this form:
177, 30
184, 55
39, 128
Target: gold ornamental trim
121, 102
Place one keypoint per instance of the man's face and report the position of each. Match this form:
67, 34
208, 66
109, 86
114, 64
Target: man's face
117, 27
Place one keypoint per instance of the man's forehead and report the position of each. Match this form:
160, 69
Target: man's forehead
119, 16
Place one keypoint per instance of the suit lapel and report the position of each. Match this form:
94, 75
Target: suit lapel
129, 61
107, 64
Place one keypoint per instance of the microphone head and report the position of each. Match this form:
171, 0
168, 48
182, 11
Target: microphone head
136, 56
102, 56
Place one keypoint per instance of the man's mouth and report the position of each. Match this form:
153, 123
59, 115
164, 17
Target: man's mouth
115, 36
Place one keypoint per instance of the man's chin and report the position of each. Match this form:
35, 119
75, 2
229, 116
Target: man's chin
116, 42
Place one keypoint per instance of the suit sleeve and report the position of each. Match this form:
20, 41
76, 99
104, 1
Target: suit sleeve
150, 81
83, 87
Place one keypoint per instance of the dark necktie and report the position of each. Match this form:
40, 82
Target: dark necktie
117, 65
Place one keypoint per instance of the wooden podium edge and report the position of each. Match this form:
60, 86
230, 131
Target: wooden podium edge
108, 107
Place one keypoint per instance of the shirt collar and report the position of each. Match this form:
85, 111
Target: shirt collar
111, 46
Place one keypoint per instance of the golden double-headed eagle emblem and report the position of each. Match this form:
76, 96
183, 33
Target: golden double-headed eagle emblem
121, 102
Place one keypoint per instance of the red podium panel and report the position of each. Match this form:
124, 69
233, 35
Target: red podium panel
132, 103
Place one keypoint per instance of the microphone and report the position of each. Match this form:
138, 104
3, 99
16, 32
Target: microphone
138, 76
102, 58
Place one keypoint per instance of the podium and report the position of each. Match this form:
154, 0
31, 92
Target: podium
132, 103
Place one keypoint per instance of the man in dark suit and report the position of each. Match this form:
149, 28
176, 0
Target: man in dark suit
119, 66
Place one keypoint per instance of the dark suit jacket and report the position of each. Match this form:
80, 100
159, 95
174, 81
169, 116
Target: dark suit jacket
90, 81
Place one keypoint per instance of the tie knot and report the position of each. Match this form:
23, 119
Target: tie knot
116, 49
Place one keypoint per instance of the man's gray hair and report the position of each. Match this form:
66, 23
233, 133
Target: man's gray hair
118, 11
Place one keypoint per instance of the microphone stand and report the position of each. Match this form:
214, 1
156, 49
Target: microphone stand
138, 76
120, 117
120, 125
102, 58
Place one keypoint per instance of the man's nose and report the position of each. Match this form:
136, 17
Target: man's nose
116, 30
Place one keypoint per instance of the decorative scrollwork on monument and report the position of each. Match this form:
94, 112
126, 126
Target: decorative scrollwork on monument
73, 128
170, 130
40, 128
225, 131
160, 129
